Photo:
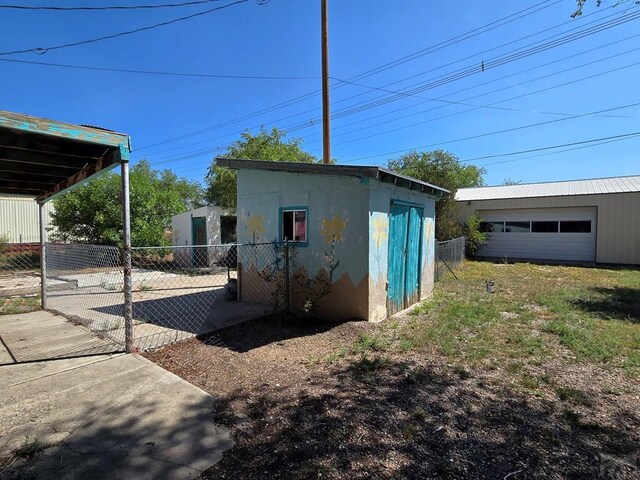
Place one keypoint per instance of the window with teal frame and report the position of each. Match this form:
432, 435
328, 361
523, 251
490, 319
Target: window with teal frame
294, 225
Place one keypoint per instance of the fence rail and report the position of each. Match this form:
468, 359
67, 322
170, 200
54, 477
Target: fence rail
449, 255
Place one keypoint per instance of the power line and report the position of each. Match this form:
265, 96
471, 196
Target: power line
43, 50
433, 48
502, 101
541, 149
108, 7
156, 72
316, 121
498, 132
469, 71
570, 57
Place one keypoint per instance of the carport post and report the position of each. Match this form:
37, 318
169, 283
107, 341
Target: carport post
126, 257
43, 259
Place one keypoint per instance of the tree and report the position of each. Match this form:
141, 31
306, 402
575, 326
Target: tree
443, 169
511, 181
268, 146
92, 213
581, 4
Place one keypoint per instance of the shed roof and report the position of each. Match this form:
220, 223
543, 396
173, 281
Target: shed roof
595, 186
379, 173
40, 157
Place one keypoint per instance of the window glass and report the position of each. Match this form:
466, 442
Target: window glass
544, 227
294, 225
491, 227
521, 227
228, 229
575, 226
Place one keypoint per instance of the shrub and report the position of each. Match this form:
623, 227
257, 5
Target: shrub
474, 238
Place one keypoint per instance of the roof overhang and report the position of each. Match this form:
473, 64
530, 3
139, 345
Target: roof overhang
42, 158
379, 173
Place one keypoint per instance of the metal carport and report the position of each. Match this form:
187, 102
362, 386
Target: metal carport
43, 158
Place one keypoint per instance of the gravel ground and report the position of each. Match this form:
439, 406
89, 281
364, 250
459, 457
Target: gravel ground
305, 404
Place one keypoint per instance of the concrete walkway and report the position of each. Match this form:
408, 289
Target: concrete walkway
106, 417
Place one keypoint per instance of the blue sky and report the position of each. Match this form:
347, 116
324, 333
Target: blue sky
537, 93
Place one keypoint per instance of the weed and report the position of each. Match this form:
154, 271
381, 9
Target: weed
573, 395
366, 342
571, 417
419, 414
29, 448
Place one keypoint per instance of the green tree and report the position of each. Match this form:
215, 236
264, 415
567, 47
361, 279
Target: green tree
443, 169
92, 213
581, 4
270, 146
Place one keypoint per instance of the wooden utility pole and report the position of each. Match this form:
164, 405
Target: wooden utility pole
326, 121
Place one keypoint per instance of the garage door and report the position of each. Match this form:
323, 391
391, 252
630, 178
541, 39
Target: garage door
562, 234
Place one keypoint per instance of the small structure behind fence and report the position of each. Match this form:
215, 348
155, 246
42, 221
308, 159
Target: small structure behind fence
449, 255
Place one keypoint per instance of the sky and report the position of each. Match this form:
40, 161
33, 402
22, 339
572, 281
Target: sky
481, 79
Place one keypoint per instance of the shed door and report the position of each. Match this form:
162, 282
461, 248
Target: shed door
405, 227
199, 237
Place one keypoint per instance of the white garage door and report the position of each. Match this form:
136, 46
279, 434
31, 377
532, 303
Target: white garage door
563, 234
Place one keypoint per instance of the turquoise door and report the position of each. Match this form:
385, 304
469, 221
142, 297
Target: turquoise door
405, 234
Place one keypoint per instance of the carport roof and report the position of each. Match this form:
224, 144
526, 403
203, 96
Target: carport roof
595, 186
42, 158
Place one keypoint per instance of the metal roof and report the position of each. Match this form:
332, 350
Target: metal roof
595, 186
379, 173
41, 158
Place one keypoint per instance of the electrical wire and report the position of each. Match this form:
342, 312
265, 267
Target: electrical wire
156, 72
43, 50
487, 134
459, 38
107, 7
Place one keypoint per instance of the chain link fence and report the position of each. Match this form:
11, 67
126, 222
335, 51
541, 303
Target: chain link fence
85, 284
449, 255
179, 292
19, 277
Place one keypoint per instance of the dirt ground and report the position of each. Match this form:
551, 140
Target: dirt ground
313, 400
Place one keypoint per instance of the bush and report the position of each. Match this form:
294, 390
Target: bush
474, 238
4, 242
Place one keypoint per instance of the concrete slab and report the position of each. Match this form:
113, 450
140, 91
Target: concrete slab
42, 335
119, 416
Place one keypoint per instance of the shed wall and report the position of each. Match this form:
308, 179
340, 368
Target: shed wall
337, 224
618, 220
19, 218
181, 231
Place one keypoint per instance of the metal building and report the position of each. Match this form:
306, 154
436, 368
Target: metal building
592, 221
19, 218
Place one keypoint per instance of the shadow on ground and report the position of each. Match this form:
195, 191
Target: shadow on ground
621, 303
375, 418
131, 431
267, 330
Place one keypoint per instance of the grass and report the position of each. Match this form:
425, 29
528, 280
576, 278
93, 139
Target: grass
535, 314
29, 448
13, 305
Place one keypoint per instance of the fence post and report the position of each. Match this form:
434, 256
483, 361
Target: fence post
126, 258
287, 284
43, 259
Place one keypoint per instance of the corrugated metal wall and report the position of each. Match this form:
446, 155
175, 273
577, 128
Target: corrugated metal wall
19, 218
618, 220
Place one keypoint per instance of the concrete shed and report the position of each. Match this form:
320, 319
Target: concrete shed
208, 225
365, 231
585, 221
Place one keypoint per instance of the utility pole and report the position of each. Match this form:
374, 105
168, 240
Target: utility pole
326, 122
